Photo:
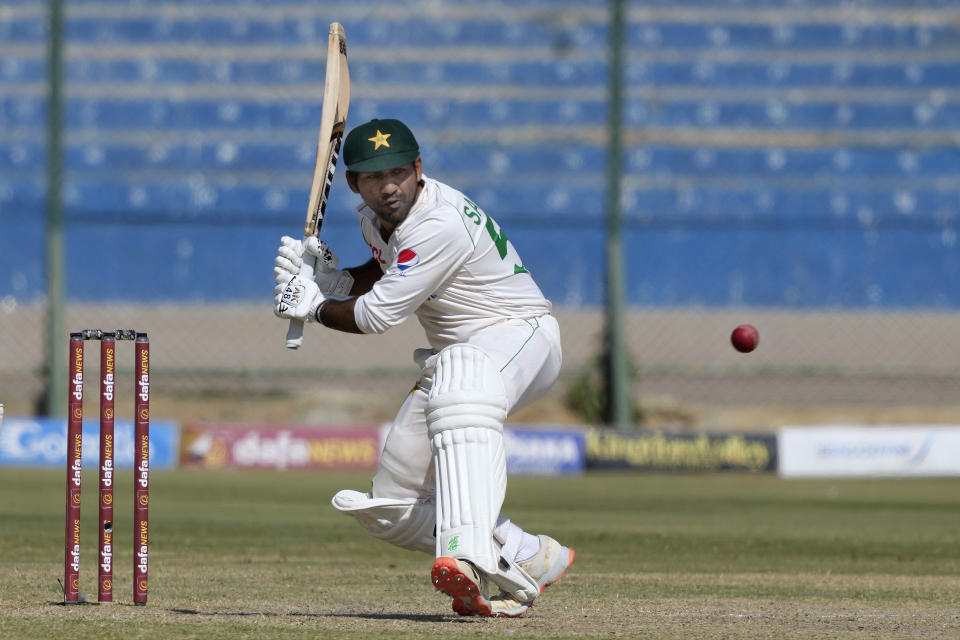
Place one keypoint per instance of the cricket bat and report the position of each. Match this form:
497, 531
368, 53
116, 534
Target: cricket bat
333, 122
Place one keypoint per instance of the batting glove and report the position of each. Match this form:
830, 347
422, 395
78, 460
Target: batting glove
333, 282
314, 258
296, 298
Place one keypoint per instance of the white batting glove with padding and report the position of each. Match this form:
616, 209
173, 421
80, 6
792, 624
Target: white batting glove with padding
333, 282
296, 298
319, 258
289, 257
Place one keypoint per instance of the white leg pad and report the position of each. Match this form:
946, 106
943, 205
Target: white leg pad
406, 523
465, 412
471, 484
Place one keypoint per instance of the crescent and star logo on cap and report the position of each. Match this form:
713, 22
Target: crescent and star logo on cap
394, 145
380, 140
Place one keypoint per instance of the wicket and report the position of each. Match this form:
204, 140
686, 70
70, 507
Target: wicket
141, 479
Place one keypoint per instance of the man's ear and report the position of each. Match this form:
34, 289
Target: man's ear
418, 167
352, 181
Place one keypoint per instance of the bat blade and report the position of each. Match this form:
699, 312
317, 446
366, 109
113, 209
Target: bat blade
333, 123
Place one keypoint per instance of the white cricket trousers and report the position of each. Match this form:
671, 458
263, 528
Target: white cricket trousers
528, 355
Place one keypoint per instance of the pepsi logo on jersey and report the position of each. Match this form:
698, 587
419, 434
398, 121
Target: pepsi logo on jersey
406, 259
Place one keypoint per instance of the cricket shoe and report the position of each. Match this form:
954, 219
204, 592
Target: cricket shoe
549, 563
469, 587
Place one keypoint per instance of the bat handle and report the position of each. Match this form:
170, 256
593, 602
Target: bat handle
295, 334
295, 329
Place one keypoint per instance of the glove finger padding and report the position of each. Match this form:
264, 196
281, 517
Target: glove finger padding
288, 260
332, 281
326, 258
293, 243
282, 277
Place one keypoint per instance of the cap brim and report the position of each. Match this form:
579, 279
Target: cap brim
384, 161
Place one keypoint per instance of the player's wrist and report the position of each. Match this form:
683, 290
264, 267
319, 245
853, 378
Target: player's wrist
316, 314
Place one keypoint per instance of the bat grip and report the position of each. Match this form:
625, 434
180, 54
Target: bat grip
295, 334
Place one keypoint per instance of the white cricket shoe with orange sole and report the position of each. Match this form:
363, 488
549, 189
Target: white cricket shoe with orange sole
469, 587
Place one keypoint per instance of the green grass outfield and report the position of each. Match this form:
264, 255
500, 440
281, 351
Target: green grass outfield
263, 555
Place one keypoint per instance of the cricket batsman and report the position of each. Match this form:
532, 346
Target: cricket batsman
494, 347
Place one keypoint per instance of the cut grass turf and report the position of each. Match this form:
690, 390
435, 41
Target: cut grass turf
264, 555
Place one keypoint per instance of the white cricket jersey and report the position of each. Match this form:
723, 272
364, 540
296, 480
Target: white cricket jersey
450, 264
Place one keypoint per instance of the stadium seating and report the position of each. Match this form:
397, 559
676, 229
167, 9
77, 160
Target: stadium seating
761, 117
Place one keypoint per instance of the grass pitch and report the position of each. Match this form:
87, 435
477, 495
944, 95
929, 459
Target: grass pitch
263, 555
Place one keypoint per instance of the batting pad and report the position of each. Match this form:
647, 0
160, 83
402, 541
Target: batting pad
406, 523
465, 412
471, 484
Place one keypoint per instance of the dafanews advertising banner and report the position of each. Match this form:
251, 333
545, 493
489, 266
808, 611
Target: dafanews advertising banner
659, 451
280, 447
870, 451
43, 442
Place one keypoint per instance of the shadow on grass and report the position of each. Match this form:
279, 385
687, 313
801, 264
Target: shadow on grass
293, 614
296, 614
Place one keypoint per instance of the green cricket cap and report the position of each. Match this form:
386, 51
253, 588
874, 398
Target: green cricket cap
379, 145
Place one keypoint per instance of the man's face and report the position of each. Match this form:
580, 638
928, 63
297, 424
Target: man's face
391, 192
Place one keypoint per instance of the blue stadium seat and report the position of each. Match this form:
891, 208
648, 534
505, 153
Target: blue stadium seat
22, 111
17, 69
22, 156
21, 193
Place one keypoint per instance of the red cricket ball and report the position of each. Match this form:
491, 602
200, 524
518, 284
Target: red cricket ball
745, 338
